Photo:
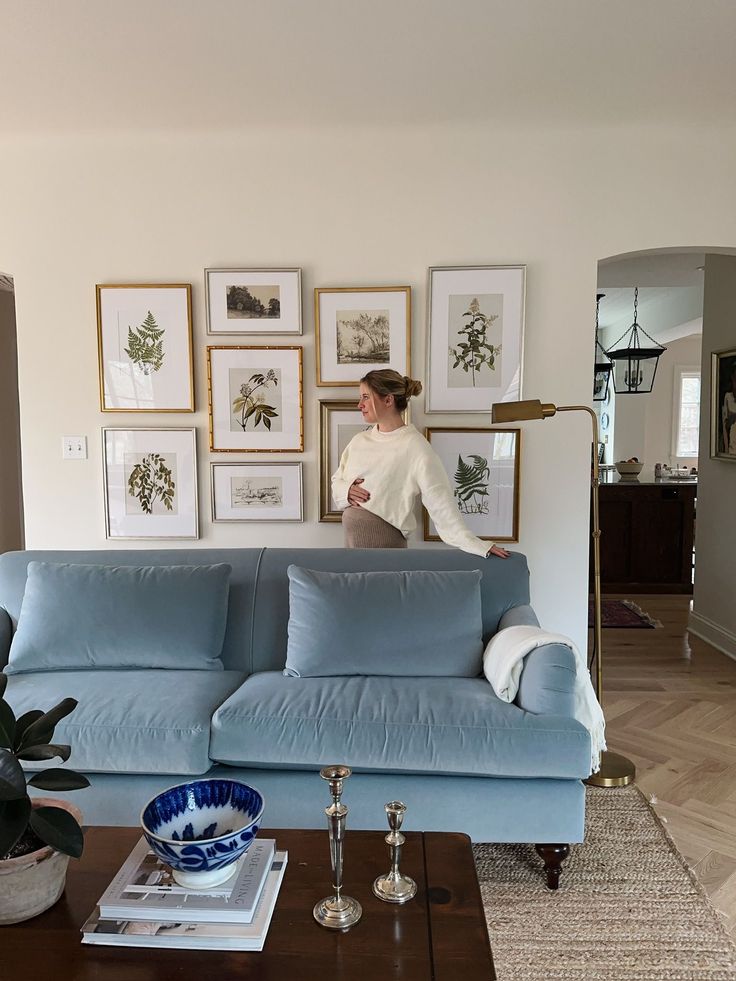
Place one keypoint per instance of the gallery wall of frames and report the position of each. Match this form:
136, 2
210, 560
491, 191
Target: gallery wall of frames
255, 393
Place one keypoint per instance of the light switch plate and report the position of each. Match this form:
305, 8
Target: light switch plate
74, 447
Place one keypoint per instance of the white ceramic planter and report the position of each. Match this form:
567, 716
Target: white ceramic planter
32, 883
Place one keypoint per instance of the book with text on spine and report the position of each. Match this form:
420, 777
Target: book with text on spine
144, 889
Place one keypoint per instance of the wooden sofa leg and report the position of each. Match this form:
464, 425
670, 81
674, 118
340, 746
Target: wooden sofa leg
553, 856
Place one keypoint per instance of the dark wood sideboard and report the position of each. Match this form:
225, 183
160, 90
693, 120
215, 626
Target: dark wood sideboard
647, 534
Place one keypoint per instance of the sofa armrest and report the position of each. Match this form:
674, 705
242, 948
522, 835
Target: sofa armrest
6, 635
518, 616
548, 678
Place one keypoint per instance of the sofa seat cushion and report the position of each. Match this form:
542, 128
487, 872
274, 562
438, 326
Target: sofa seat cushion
438, 725
130, 721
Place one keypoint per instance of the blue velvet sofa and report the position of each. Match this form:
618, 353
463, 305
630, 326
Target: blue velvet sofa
461, 759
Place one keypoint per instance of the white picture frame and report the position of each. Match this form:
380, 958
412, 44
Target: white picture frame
487, 487
257, 491
255, 399
475, 337
150, 483
253, 301
144, 335
361, 329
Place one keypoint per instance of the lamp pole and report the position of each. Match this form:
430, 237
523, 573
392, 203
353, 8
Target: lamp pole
615, 770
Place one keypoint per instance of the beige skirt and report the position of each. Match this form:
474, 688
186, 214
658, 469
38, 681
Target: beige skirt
363, 529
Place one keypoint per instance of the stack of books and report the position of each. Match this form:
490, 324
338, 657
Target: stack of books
144, 907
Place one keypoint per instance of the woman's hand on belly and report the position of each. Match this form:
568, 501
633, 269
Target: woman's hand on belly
357, 495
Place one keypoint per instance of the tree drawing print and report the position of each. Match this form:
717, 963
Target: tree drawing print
363, 337
247, 405
145, 345
471, 485
151, 480
475, 351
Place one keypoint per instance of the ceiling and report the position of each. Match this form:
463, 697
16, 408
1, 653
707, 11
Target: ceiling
105, 65
670, 294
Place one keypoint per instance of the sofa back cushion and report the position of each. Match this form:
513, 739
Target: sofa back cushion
83, 616
504, 584
416, 623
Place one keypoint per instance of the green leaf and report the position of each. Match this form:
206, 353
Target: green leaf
44, 752
14, 816
43, 728
12, 779
23, 722
56, 827
7, 725
3, 683
58, 779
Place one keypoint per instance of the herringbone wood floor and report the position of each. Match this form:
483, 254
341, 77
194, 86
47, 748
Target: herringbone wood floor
670, 703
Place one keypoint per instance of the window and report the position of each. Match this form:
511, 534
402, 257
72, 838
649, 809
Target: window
686, 416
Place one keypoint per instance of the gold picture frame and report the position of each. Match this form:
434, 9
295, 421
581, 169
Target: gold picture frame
388, 324
479, 485
145, 347
277, 425
723, 406
332, 443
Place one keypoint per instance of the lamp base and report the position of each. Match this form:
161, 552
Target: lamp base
615, 771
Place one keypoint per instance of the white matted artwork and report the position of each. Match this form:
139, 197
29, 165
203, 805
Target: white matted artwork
359, 330
256, 491
253, 301
340, 421
483, 468
144, 338
150, 483
255, 399
475, 337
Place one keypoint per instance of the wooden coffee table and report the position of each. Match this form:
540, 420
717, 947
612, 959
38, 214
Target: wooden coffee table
439, 936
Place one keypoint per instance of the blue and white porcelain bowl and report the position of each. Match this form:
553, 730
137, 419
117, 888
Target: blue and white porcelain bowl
200, 828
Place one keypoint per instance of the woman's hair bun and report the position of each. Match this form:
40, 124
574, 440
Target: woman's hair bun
412, 387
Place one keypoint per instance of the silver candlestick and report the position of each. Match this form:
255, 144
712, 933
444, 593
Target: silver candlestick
395, 887
337, 912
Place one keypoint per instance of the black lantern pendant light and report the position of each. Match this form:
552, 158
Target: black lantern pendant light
603, 366
635, 365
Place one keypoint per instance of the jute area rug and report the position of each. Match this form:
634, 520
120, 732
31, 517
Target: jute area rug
628, 908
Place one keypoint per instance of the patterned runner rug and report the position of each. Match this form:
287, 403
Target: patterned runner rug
622, 613
628, 908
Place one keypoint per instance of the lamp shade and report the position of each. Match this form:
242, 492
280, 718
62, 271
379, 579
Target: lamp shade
521, 411
634, 369
603, 366
635, 363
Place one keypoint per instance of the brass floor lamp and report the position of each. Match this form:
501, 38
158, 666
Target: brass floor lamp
616, 770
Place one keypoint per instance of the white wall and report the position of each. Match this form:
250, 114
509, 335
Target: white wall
714, 611
365, 206
643, 426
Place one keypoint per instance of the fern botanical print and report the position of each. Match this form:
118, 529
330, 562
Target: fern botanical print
471, 484
146, 345
474, 350
151, 480
249, 406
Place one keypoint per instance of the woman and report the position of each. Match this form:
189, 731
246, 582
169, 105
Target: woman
385, 469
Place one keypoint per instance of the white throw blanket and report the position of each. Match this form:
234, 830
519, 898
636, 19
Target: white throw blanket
503, 662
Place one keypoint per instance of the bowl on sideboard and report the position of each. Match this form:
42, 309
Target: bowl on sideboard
629, 470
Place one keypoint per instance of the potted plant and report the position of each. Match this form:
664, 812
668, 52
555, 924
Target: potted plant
37, 837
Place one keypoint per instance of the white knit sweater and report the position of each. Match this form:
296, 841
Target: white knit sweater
398, 467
